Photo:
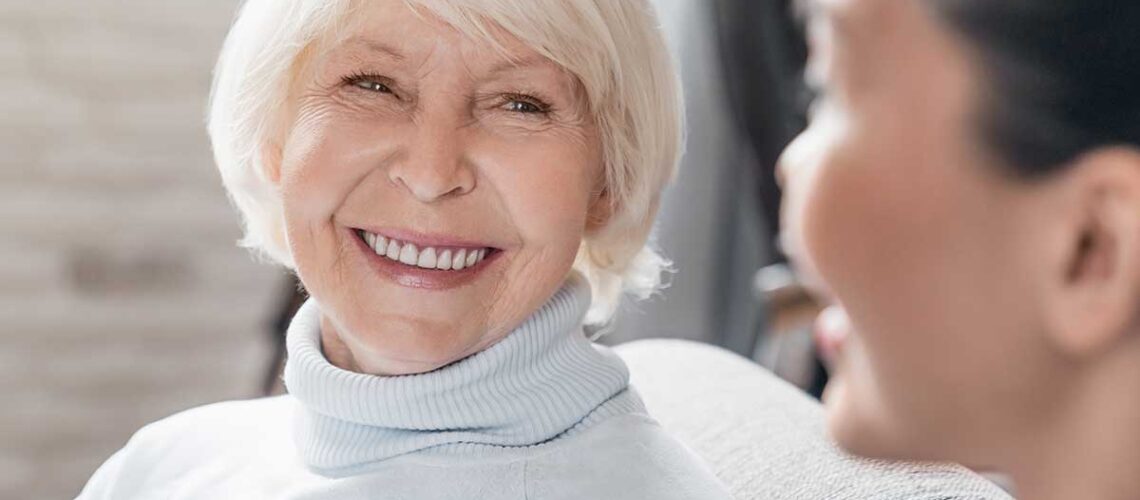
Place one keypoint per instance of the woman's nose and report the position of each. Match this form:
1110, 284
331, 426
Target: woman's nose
435, 165
797, 155
785, 163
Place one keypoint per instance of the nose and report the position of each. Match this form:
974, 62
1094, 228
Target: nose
435, 166
783, 164
794, 157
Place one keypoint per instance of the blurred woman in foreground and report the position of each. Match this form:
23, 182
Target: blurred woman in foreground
968, 198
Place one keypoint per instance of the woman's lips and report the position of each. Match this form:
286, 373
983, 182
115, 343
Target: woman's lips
415, 276
832, 330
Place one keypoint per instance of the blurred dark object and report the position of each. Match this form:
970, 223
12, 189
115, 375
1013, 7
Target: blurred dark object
764, 51
292, 296
786, 346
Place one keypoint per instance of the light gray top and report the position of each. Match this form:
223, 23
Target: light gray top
543, 414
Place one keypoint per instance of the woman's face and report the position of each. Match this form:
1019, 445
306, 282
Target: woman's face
436, 190
905, 223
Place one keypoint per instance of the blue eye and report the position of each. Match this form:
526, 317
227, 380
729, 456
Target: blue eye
373, 86
369, 82
525, 104
523, 107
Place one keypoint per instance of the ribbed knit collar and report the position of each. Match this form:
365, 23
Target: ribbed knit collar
537, 383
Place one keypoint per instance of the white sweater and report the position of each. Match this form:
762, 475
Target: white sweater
543, 414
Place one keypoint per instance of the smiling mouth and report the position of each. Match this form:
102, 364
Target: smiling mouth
437, 258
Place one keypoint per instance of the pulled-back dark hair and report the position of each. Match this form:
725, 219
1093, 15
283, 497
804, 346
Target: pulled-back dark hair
1063, 76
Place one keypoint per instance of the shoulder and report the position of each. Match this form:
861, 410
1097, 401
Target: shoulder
205, 429
625, 457
162, 451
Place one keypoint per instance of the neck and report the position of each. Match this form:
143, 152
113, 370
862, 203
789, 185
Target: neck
542, 382
1092, 448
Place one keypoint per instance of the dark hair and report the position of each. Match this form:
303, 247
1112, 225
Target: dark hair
1063, 75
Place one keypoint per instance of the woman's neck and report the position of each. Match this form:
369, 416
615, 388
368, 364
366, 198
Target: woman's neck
1092, 450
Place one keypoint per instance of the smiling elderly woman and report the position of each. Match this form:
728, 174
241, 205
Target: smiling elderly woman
462, 186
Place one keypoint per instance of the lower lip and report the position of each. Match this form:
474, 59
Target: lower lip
418, 277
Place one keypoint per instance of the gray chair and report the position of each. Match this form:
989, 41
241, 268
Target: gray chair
765, 439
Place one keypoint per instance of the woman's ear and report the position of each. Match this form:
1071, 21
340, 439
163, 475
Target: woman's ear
271, 156
1093, 299
601, 210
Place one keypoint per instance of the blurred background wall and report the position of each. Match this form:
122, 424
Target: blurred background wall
122, 296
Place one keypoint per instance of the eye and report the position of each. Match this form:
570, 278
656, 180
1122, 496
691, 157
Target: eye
522, 107
374, 86
371, 83
525, 105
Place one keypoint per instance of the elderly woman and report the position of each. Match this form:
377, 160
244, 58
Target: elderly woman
461, 185
969, 193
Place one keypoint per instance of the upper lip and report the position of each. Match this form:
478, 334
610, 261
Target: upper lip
424, 239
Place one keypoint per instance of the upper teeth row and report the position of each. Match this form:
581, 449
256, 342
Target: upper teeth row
428, 257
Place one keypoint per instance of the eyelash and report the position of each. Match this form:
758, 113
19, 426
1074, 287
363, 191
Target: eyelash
367, 82
376, 83
539, 107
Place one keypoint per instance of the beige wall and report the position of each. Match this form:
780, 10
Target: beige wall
122, 296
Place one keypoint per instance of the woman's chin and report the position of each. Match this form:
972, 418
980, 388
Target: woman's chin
855, 429
864, 429
403, 345
407, 358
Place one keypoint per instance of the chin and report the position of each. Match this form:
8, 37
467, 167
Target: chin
860, 429
406, 346
867, 429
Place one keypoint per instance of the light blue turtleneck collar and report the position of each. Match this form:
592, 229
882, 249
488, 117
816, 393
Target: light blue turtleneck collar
543, 381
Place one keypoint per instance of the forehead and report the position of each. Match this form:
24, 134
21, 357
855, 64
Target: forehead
853, 17
397, 30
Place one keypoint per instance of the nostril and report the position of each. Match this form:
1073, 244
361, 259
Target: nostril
429, 185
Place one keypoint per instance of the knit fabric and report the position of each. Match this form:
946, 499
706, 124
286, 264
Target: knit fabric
542, 415
543, 381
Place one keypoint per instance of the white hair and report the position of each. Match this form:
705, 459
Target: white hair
613, 47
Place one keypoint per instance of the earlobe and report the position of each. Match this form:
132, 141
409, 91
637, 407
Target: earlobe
271, 158
1098, 289
600, 212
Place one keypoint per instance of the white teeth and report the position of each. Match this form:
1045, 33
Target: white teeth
427, 257
409, 255
444, 260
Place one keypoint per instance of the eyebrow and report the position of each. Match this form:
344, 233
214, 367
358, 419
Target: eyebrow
508, 64
376, 46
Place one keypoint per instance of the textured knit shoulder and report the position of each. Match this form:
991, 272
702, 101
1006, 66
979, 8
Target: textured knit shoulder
627, 457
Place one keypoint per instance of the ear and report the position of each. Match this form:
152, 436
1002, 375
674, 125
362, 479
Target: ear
601, 210
1093, 299
272, 154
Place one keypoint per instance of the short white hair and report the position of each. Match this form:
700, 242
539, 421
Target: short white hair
613, 47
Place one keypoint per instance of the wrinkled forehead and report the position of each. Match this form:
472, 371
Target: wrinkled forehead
396, 28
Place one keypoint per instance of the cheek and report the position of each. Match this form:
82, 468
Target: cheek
327, 155
912, 246
545, 187
324, 159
